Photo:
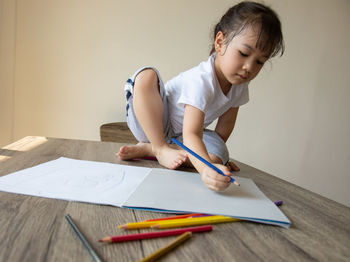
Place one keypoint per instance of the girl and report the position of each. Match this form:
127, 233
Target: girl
246, 37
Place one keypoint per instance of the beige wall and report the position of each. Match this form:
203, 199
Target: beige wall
7, 59
64, 62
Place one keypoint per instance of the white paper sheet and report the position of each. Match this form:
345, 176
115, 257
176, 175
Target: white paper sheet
77, 180
140, 187
184, 191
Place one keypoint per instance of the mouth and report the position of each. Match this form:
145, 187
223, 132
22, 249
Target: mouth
243, 77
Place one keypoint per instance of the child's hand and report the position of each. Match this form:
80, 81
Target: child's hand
214, 180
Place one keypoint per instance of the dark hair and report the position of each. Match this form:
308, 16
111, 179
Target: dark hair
246, 14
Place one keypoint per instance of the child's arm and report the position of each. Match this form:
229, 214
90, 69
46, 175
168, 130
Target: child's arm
224, 128
226, 123
192, 134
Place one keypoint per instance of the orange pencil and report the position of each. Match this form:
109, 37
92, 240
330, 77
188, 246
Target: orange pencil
174, 217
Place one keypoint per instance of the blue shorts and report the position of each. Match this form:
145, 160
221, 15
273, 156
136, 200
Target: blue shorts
212, 141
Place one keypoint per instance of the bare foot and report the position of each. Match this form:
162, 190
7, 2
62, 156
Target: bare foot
232, 166
135, 151
170, 157
166, 156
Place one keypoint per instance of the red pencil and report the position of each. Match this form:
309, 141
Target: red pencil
163, 233
174, 217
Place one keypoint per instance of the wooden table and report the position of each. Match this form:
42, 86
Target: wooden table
34, 229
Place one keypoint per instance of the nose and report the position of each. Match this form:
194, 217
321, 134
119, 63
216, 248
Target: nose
248, 65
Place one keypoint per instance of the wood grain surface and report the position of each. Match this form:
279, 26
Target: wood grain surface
34, 229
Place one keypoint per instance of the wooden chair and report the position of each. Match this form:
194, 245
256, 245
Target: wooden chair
117, 132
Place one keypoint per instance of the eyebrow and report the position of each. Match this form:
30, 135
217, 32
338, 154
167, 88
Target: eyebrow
246, 45
251, 48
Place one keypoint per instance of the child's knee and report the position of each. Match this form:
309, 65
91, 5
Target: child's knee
215, 159
146, 79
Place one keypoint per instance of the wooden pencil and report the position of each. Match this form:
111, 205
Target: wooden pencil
138, 225
163, 233
174, 217
190, 221
204, 161
193, 221
83, 239
162, 251
148, 224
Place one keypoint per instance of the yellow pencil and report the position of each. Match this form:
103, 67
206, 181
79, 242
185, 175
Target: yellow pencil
145, 224
138, 225
190, 221
193, 221
162, 251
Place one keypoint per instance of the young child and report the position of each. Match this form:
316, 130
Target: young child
246, 37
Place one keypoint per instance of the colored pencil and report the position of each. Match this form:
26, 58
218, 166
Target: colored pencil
163, 233
83, 239
194, 221
203, 160
174, 217
148, 224
162, 251
153, 158
202, 215
279, 203
138, 225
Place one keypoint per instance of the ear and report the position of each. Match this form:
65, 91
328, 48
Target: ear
219, 43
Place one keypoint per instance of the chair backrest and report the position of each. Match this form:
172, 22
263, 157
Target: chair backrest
117, 132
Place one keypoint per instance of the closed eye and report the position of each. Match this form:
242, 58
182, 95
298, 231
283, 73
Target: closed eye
243, 54
259, 62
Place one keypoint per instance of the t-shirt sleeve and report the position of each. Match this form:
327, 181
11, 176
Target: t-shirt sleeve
196, 92
241, 96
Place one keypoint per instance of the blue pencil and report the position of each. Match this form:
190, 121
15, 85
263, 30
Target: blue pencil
203, 160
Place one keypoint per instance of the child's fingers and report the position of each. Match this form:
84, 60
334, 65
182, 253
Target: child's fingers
215, 185
220, 178
215, 181
218, 185
215, 175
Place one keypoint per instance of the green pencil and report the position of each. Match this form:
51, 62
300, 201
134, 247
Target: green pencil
83, 239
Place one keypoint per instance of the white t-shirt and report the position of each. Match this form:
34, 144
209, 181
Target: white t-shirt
199, 87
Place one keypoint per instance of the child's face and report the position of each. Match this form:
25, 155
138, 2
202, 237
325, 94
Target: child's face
239, 61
